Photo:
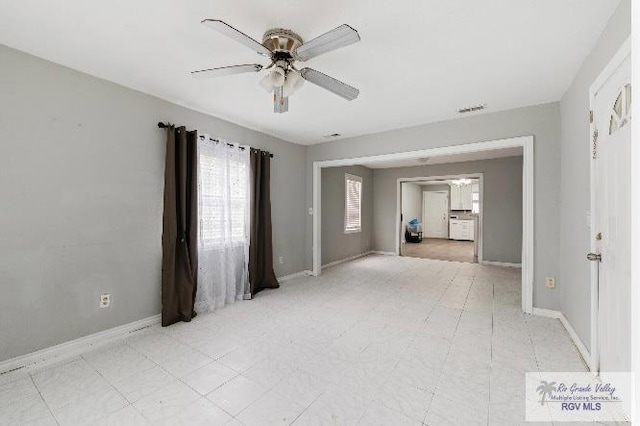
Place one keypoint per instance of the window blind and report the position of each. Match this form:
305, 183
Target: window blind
223, 200
353, 204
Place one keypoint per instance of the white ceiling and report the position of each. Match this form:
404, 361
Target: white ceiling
418, 61
444, 159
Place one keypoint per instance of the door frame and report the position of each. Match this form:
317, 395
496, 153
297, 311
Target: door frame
478, 232
609, 69
423, 203
526, 142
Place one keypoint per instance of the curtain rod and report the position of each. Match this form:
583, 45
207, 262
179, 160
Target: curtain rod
165, 126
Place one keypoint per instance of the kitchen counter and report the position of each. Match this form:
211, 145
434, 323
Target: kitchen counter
463, 216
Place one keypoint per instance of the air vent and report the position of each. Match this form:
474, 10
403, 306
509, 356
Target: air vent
472, 108
332, 135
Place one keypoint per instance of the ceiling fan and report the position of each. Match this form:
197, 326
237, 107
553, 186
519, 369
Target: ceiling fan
284, 47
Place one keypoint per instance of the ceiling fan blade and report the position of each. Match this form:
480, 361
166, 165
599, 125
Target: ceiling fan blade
329, 83
238, 36
339, 37
222, 71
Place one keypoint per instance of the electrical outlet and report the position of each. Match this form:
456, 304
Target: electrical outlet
550, 282
281, 259
105, 300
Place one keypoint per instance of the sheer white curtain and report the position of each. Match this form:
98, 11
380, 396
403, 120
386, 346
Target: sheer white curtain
223, 210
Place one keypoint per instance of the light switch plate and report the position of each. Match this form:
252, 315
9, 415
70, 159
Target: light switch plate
550, 282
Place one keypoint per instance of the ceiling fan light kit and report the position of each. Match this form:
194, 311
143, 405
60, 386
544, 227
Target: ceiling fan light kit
274, 79
293, 82
284, 47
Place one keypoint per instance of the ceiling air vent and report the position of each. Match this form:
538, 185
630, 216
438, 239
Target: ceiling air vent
472, 108
332, 135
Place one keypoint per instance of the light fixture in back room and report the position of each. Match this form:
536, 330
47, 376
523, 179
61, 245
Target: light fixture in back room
472, 108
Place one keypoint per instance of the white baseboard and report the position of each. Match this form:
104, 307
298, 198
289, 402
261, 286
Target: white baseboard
304, 273
586, 356
384, 253
503, 264
549, 313
346, 259
66, 350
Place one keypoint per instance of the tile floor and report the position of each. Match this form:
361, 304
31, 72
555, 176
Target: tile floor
377, 341
441, 249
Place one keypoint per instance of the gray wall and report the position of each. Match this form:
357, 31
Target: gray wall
502, 210
336, 245
81, 180
541, 121
574, 184
411, 201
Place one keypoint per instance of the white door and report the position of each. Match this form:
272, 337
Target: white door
611, 219
435, 208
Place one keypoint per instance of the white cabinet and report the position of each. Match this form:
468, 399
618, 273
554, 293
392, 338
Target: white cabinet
461, 198
454, 197
461, 229
465, 197
454, 229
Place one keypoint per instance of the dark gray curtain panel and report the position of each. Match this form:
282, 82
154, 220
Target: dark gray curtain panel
179, 227
261, 273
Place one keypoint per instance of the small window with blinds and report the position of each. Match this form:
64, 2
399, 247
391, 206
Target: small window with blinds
223, 200
353, 204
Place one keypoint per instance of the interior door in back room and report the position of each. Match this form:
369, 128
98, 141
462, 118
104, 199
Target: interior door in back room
435, 207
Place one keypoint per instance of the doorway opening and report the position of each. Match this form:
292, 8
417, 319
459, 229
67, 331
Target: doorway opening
441, 217
471, 150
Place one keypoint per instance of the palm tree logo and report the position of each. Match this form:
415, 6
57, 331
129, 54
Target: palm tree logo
545, 390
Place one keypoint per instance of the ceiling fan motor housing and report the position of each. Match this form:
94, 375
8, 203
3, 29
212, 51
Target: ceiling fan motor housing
281, 42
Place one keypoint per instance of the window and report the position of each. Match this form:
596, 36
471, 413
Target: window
353, 200
621, 113
223, 199
475, 202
